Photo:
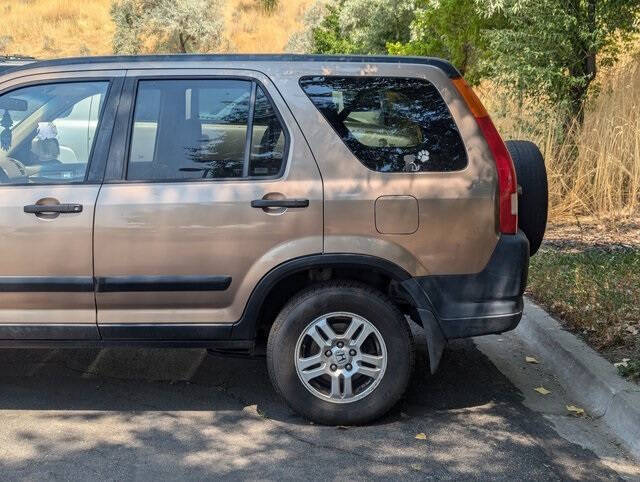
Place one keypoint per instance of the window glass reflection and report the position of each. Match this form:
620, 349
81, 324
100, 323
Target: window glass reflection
390, 124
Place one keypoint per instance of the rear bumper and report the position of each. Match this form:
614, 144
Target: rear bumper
486, 302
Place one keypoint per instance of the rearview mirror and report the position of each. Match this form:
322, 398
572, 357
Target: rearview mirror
11, 103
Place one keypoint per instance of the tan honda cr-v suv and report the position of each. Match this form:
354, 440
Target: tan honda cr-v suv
317, 204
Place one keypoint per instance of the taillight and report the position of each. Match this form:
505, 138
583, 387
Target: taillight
507, 183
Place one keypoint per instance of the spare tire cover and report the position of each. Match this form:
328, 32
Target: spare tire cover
533, 199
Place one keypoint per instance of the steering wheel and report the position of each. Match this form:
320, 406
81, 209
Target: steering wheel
11, 168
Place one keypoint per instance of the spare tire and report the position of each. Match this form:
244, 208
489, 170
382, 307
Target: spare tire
533, 198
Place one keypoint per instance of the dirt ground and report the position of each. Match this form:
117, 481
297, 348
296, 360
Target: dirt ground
581, 233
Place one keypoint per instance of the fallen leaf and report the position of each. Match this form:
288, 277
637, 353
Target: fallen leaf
530, 359
421, 436
542, 390
575, 410
623, 363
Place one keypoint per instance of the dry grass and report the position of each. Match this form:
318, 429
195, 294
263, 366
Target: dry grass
596, 170
56, 28
63, 28
250, 30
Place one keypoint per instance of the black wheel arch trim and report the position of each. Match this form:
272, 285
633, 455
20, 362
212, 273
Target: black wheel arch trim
246, 327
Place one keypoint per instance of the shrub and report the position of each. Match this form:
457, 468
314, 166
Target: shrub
144, 26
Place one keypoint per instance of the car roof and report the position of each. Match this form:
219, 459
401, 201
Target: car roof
442, 64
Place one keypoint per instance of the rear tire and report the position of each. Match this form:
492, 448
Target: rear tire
378, 369
533, 202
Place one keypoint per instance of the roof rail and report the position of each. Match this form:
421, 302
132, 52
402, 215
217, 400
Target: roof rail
444, 65
7, 58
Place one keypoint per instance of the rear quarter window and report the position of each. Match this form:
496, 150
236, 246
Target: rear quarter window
391, 124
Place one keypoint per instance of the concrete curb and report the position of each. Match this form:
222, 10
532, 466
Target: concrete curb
588, 378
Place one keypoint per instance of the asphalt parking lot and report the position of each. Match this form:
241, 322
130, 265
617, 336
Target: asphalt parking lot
125, 414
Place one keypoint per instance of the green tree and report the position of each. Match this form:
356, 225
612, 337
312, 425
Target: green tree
452, 29
183, 26
328, 37
371, 24
125, 16
353, 26
551, 49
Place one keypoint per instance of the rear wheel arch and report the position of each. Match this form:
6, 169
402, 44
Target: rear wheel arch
284, 281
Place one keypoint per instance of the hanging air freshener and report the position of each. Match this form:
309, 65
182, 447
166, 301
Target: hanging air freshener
5, 136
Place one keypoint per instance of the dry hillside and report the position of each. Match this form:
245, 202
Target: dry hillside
62, 28
55, 28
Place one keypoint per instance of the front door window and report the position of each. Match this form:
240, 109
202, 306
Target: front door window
48, 132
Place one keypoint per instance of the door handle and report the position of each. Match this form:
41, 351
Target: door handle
53, 208
280, 203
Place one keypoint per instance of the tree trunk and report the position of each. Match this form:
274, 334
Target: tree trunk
182, 43
585, 69
466, 56
577, 96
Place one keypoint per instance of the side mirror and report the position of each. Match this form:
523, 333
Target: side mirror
13, 104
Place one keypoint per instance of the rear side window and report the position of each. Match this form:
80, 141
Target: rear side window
268, 140
391, 124
204, 129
